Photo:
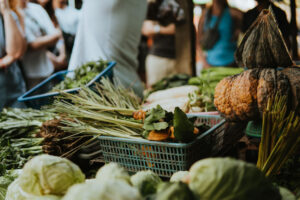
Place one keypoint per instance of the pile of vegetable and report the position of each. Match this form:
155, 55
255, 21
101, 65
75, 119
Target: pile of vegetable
18, 141
268, 90
172, 81
82, 75
202, 100
245, 96
191, 95
171, 98
112, 110
52, 178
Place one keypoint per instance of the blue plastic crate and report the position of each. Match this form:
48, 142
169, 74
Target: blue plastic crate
40, 95
165, 158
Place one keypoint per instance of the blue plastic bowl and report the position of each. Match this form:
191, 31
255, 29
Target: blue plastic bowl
40, 96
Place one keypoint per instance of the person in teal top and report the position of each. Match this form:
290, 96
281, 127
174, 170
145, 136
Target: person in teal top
222, 52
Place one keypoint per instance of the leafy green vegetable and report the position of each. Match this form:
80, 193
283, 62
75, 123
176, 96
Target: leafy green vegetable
178, 176
16, 192
6, 180
183, 128
286, 194
229, 179
112, 171
82, 75
49, 175
18, 142
155, 120
174, 191
114, 189
207, 81
170, 82
146, 182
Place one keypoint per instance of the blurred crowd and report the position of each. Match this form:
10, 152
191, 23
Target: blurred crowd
37, 38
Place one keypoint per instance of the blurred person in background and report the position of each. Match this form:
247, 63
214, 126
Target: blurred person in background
12, 47
57, 54
41, 35
251, 15
111, 30
161, 60
68, 19
218, 31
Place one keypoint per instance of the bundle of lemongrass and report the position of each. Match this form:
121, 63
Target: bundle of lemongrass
280, 136
106, 110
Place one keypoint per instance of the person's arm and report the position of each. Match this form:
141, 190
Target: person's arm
151, 28
45, 41
167, 30
52, 34
59, 61
14, 39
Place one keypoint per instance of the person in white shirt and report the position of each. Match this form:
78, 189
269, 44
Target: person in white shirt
68, 19
111, 30
40, 34
67, 16
56, 54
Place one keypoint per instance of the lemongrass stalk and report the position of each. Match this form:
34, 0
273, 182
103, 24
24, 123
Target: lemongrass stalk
286, 147
272, 155
87, 104
289, 150
81, 113
74, 150
87, 129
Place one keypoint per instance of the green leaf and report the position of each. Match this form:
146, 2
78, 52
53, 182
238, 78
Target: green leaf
155, 119
183, 128
155, 114
160, 126
148, 127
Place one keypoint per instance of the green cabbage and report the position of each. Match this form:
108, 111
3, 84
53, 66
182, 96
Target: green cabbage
112, 171
178, 176
6, 180
114, 189
286, 194
229, 179
174, 191
49, 175
15, 192
146, 182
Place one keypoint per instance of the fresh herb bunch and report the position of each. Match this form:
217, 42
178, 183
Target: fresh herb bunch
82, 75
18, 142
112, 110
157, 119
106, 110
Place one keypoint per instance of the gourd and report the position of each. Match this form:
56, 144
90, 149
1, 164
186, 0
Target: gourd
244, 97
263, 45
293, 74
